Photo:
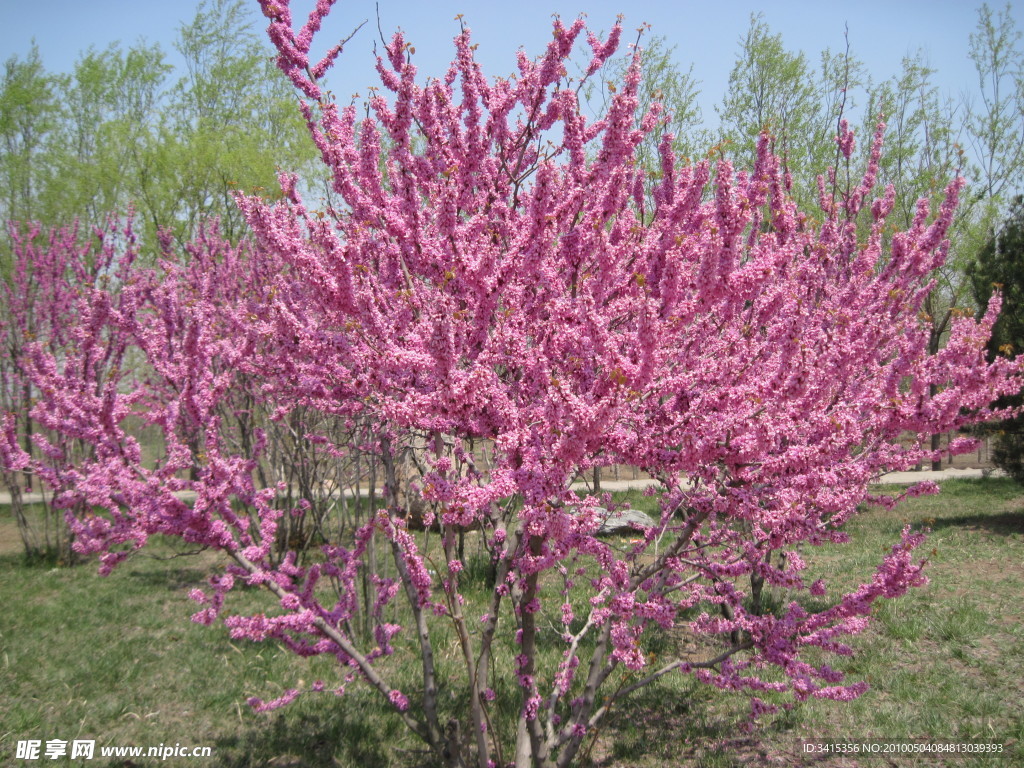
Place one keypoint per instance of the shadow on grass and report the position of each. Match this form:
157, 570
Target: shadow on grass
174, 579
339, 735
694, 726
1004, 523
14, 560
41, 560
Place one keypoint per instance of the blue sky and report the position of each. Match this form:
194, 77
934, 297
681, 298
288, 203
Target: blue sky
706, 33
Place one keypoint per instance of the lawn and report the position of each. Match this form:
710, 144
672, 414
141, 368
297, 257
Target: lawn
116, 660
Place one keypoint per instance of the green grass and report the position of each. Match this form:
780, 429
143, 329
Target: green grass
944, 662
116, 659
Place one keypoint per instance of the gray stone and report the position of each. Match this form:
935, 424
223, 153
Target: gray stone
622, 521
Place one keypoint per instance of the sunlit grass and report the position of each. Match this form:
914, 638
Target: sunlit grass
116, 659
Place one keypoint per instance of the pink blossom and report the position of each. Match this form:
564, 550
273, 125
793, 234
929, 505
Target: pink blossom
398, 700
286, 698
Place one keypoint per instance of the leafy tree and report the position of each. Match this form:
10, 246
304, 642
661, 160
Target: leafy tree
481, 281
229, 123
994, 127
1000, 265
775, 90
118, 131
29, 113
110, 107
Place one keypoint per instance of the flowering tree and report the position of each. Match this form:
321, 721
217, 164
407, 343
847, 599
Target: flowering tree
500, 271
39, 304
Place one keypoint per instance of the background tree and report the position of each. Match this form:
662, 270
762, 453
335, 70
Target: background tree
229, 123
120, 130
110, 105
1000, 265
779, 91
997, 112
29, 112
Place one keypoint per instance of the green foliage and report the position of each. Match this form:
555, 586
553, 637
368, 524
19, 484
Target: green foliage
110, 106
230, 123
1000, 265
29, 115
770, 88
780, 91
995, 130
122, 130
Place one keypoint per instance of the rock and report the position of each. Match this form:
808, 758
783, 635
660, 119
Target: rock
622, 521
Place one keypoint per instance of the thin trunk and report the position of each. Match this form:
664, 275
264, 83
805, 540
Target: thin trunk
531, 748
393, 494
28, 537
27, 400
